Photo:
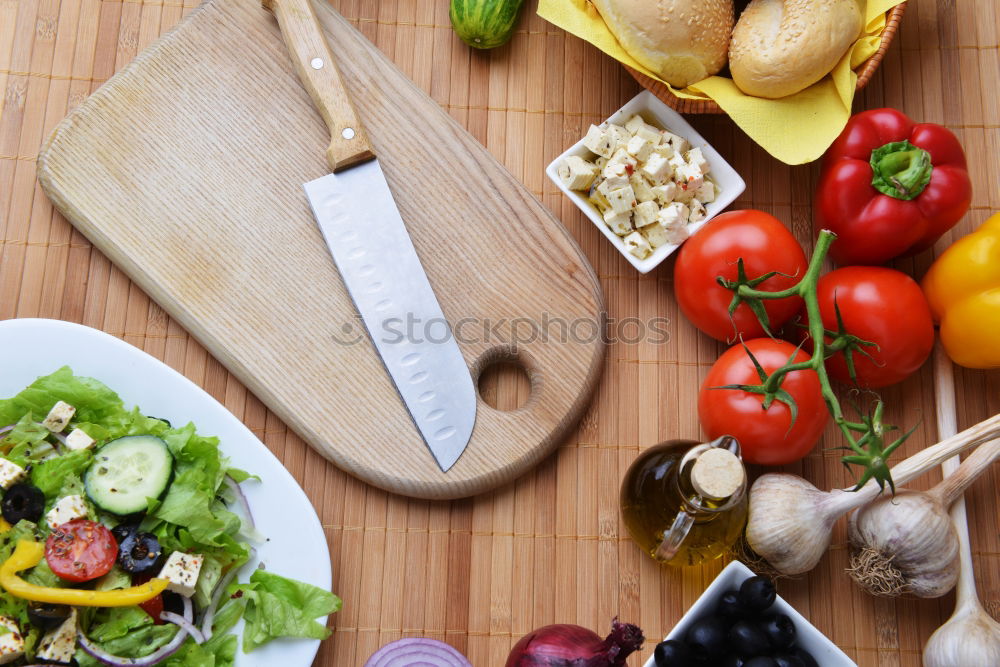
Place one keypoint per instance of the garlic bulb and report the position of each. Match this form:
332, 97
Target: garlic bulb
790, 520
907, 543
970, 637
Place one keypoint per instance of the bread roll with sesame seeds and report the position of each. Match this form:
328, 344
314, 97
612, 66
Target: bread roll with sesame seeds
682, 41
780, 47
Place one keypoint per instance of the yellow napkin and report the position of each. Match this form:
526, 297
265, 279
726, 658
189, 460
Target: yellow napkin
795, 129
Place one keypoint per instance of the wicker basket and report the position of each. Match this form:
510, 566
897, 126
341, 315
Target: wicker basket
865, 72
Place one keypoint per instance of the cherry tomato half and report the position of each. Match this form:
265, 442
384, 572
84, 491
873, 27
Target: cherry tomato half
766, 437
152, 606
882, 306
81, 550
765, 245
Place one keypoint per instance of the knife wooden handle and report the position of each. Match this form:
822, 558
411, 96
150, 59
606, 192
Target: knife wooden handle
319, 74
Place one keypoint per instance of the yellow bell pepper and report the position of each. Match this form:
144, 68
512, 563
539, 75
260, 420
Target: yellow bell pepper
963, 290
28, 554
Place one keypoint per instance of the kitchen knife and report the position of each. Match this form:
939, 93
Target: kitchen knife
375, 256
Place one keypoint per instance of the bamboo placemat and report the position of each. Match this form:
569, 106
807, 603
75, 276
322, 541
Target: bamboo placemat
481, 572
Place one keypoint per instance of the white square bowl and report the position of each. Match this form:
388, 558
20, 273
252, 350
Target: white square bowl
827, 653
657, 113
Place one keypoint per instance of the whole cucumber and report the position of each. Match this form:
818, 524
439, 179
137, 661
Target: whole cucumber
484, 24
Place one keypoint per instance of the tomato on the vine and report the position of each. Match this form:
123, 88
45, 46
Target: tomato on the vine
766, 436
765, 245
881, 306
80, 550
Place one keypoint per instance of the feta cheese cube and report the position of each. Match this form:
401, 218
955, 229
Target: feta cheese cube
657, 168
639, 148
679, 144
619, 135
620, 223
622, 200
666, 150
598, 199
622, 156
656, 234
67, 509
706, 193
576, 173
59, 416
698, 212
637, 244
10, 473
181, 571
688, 176
696, 158
78, 439
684, 194
650, 134
674, 215
665, 193
59, 645
601, 162
11, 643
646, 213
641, 188
614, 177
599, 141
634, 123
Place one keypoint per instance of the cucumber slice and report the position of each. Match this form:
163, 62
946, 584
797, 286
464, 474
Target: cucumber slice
127, 471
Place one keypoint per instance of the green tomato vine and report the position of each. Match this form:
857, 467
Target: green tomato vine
869, 440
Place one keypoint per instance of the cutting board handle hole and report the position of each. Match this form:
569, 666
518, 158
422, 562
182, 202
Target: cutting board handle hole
503, 380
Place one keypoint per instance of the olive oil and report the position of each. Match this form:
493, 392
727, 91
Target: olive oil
681, 514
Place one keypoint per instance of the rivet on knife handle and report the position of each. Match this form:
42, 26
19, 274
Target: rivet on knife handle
318, 72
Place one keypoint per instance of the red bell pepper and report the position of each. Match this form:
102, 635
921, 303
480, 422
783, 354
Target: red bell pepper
890, 187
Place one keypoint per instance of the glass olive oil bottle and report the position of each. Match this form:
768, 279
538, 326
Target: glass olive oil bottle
685, 502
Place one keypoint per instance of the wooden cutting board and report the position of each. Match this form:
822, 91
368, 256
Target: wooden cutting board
186, 170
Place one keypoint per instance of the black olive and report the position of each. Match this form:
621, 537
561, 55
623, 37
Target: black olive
803, 655
173, 602
123, 530
707, 637
47, 616
760, 661
757, 593
747, 638
729, 605
673, 653
786, 660
733, 660
780, 631
23, 501
139, 552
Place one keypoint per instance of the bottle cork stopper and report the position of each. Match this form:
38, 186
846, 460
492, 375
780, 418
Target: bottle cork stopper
717, 474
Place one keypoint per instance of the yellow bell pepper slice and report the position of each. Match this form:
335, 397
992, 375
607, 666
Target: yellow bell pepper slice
963, 290
28, 554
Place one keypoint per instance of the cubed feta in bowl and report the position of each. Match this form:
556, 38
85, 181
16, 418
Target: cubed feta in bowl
646, 153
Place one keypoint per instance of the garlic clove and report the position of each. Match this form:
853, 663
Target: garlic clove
970, 638
905, 544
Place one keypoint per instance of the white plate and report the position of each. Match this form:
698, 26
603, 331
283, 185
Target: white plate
296, 545
827, 653
654, 111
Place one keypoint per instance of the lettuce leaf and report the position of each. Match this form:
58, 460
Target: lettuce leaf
281, 607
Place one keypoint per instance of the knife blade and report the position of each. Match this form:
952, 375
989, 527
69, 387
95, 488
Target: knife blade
372, 250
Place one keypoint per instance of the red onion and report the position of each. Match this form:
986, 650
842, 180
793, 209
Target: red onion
565, 645
206, 621
5, 429
417, 651
185, 624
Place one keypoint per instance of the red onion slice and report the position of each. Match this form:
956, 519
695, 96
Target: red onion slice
154, 658
187, 625
7, 429
417, 651
206, 621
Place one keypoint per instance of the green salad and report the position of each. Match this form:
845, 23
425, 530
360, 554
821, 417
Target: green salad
119, 542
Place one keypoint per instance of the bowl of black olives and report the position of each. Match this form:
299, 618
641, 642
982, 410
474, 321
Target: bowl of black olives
739, 621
